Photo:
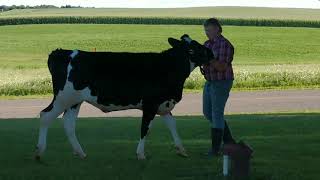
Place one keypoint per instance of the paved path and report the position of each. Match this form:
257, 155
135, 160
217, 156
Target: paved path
191, 104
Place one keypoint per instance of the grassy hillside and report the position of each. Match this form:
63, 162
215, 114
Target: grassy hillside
265, 57
225, 12
29, 45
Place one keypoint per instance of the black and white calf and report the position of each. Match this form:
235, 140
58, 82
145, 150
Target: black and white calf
112, 81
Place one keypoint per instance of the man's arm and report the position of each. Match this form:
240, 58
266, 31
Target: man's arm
225, 57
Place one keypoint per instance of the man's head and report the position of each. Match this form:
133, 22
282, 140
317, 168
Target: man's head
212, 28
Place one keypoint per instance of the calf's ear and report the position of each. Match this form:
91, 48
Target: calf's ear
186, 38
174, 42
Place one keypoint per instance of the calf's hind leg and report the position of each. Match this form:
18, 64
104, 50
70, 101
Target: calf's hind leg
69, 123
46, 117
148, 115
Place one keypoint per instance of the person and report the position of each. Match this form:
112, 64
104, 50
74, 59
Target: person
219, 79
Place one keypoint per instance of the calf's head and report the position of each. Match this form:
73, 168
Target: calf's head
197, 53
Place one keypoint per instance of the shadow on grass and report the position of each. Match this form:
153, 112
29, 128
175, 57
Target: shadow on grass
282, 142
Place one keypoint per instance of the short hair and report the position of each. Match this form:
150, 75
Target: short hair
213, 22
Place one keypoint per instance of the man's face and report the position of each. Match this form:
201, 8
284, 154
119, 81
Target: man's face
211, 31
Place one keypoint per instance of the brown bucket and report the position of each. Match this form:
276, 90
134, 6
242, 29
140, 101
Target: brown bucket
239, 155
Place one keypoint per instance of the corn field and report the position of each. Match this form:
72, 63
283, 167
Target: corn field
155, 20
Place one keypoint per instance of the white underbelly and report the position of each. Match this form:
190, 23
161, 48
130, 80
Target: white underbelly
93, 100
113, 107
166, 107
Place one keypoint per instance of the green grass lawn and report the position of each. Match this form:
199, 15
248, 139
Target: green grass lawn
225, 12
286, 148
265, 57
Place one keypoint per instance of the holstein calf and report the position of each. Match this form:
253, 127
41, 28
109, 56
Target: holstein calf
113, 81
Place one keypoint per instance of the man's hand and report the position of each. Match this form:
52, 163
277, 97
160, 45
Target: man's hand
220, 66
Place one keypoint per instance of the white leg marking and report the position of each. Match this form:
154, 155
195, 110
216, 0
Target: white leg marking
46, 119
70, 117
171, 124
140, 149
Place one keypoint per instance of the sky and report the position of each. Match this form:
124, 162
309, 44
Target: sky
314, 4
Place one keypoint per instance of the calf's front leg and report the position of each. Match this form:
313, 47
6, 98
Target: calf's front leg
147, 117
170, 122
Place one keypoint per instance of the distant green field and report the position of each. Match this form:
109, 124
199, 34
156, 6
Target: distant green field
28, 46
286, 147
225, 12
265, 57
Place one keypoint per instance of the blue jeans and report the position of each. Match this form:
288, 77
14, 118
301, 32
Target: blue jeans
215, 96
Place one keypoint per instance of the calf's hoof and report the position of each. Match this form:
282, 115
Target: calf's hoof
141, 156
37, 157
180, 151
37, 153
80, 155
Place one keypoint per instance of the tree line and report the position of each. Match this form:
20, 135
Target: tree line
8, 8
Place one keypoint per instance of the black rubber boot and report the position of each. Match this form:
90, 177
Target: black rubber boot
227, 136
216, 137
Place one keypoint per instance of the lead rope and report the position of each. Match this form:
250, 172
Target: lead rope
201, 70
